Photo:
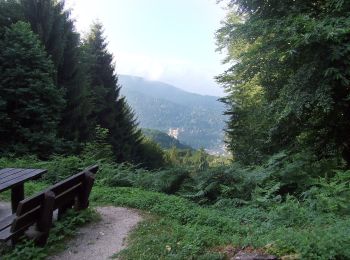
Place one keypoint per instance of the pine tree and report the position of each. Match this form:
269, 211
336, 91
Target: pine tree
110, 111
30, 103
10, 12
50, 20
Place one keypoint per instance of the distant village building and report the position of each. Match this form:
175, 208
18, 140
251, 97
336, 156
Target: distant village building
174, 132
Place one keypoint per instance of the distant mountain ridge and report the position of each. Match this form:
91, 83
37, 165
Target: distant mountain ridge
198, 118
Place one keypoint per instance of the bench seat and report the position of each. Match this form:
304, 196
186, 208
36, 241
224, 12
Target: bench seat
5, 226
38, 209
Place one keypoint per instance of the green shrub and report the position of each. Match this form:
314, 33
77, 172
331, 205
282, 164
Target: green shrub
330, 194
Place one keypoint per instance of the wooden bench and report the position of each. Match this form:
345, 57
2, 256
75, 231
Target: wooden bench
38, 209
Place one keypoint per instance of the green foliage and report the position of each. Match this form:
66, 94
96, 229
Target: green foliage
52, 22
152, 154
287, 84
124, 175
330, 194
197, 160
30, 104
111, 111
241, 206
161, 106
58, 167
52, 100
164, 140
99, 148
185, 230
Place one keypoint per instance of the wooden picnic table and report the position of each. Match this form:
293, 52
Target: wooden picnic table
14, 179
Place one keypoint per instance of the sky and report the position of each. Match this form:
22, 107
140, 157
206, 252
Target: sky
165, 40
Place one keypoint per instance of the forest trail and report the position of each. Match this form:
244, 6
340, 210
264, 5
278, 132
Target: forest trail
102, 239
98, 240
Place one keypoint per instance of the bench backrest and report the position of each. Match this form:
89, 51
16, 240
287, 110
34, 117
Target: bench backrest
29, 210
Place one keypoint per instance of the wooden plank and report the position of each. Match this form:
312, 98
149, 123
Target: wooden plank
7, 221
5, 234
33, 201
58, 188
19, 174
4, 170
20, 180
93, 169
25, 220
67, 196
67, 183
30, 203
12, 172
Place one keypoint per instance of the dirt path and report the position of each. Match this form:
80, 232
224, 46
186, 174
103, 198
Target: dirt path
97, 241
102, 239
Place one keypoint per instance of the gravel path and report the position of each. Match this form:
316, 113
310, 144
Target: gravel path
102, 239
97, 241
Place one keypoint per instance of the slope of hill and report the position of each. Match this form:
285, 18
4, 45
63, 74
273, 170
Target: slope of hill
198, 119
164, 140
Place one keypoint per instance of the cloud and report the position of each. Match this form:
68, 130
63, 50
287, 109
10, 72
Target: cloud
179, 72
153, 68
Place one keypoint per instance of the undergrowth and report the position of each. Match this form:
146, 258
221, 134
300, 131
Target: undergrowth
186, 230
291, 205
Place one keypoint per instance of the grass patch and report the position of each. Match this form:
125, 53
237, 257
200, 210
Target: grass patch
176, 228
185, 230
30, 188
217, 208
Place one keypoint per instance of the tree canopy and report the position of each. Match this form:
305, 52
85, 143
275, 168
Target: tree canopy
288, 84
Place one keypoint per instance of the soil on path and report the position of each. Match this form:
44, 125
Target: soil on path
102, 239
99, 240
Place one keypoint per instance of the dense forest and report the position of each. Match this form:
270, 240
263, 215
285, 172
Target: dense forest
57, 88
284, 190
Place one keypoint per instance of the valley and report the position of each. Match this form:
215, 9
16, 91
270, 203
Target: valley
195, 120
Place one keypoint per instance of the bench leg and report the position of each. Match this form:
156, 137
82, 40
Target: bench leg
45, 219
62, 210
17, 194
83, 197
16, 238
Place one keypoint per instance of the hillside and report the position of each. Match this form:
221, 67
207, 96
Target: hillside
160, 106
165, 141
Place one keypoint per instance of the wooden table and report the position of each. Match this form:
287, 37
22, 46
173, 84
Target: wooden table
14, 179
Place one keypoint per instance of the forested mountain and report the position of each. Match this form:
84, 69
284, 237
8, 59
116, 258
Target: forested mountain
157, 105
164, 140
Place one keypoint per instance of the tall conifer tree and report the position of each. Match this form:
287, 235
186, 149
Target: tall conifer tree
50, 20
110, 111
30, 104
